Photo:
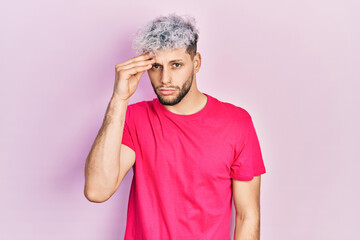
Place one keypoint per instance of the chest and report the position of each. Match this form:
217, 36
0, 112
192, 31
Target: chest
195, 150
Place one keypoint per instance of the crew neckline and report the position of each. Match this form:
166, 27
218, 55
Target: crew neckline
198, 114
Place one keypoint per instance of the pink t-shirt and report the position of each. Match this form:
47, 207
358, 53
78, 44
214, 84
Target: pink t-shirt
181, 188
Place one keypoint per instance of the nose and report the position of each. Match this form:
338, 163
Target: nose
165, 76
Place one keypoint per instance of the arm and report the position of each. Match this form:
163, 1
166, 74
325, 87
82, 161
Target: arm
246, 196
109, 160
102, 165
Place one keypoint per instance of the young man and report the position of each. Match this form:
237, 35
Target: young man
190, 152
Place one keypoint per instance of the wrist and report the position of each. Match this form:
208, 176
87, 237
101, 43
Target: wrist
116, 98
117, 106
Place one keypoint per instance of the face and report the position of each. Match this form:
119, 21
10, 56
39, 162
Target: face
172, 74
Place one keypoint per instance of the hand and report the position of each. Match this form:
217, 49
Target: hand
128, 74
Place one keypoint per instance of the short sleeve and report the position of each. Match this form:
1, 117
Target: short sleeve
126, 137
248, 161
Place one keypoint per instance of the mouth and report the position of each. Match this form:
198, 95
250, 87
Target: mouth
167, 91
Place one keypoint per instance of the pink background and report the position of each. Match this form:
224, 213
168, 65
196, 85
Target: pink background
294, 65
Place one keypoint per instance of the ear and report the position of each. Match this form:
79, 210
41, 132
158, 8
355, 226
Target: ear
197, 62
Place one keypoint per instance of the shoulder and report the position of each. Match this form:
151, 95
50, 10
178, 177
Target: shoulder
234, 113
141, 106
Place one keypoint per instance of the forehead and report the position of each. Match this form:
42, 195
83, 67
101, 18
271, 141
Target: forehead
171, 54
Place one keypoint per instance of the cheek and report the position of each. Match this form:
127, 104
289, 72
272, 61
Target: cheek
185, 71
153, 74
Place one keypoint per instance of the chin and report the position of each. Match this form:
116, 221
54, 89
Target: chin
171, 101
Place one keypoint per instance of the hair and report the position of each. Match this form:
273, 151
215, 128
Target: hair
167, 32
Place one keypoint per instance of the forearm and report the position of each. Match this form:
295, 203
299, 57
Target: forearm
102, 164
247, 229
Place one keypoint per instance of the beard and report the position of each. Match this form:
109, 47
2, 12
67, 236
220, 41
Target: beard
183, 91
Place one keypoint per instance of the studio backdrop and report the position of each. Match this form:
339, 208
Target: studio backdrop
293, 65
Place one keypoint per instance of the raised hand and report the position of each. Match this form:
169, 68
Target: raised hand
128, 74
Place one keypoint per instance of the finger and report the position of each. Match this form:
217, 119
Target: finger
138, 64
135, 70
141, 57
139, 74
134, 84
147, 57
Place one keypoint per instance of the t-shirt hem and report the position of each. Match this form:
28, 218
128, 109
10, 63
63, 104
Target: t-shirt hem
129, 145
247, 178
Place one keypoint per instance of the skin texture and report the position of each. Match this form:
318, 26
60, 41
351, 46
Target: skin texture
181, 92
108, 160
246, 195
176, 69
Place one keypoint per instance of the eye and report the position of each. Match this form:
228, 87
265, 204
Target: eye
177, 65
155, 66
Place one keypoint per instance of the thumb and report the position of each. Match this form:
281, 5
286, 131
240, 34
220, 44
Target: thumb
139, 74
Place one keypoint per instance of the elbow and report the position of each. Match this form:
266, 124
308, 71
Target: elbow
248, 216
95, 197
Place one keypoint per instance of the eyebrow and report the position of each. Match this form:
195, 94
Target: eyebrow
172, 61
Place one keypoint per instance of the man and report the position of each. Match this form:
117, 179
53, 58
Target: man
190, 152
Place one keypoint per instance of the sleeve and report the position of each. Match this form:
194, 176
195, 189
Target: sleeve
248, 161
126, 137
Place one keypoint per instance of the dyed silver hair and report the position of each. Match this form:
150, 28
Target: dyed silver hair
167, 32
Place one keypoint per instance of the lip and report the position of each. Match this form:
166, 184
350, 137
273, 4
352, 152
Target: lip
167, 91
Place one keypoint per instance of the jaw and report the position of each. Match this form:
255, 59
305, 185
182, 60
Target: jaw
178, 95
